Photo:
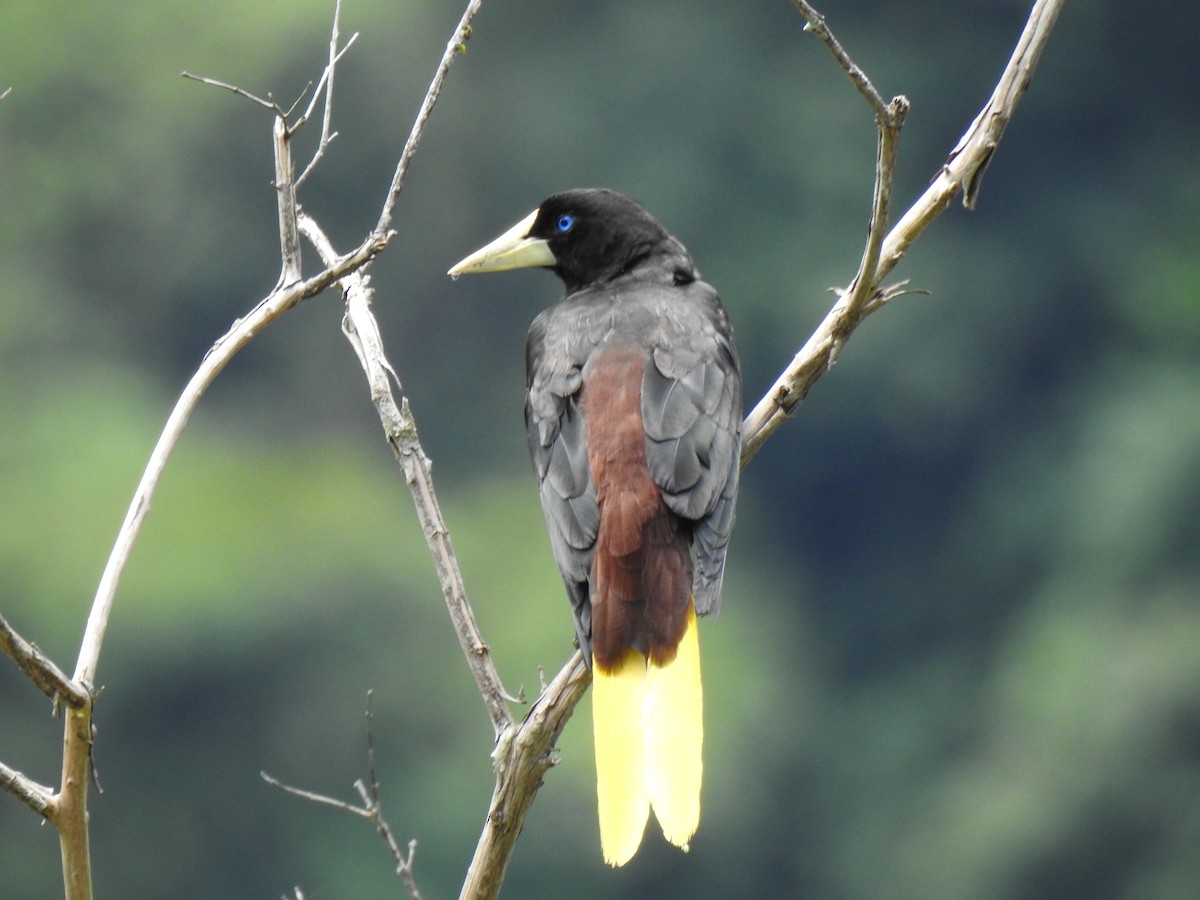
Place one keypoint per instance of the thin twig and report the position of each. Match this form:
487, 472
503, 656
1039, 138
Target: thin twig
817, 25
404, 862
313, 797
325, 84
371, 809
37, 797
49, 678
881, 203
286, 114
241, 92
858, 300
327, 135
892, 292
455, 46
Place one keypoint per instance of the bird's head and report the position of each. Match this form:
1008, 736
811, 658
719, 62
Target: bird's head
586, 236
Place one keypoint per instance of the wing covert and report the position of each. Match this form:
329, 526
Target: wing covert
692, 412
558, 448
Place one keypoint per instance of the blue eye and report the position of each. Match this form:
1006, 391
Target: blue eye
565, 223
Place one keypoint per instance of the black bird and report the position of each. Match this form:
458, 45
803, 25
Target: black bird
634, 418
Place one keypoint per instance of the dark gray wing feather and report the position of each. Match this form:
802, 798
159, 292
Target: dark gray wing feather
692, 412
558, 448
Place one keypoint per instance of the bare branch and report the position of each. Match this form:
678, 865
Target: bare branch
291, 290
313, 797
285, 179
523, 755
37, 797
69, 806
325, 84
404, 868
362, 330
49, 678
72, 819
974, 150
71, 815
816, 24
67, 809
404, 862
4, 93
241, 92
456, 45
371, 809
961, 172
285, 197
244, 330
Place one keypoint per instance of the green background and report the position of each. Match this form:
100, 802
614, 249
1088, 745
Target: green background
960, 650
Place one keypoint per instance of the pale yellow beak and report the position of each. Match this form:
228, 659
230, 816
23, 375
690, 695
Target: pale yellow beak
514, 249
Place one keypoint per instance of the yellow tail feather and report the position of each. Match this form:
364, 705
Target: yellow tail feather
674, 736
649, 733
618, 698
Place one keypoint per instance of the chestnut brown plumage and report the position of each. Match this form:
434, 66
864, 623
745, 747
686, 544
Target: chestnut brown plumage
633, 415
642, 567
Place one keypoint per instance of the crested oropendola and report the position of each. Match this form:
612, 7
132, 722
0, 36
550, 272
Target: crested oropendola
634, 419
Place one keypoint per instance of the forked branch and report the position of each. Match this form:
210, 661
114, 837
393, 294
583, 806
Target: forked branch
67, 808
371, 810
400, 429
885, 248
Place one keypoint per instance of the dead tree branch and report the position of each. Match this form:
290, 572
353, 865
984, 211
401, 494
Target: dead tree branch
400, 429
454, 47
68, 808
325, 85
241, 92
961, 172
37, 797
816, 24
371, 809
523, 755
49, 678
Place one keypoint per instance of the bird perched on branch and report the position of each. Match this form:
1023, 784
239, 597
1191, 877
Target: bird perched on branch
633, 416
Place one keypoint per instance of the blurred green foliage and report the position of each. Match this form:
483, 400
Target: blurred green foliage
960, 650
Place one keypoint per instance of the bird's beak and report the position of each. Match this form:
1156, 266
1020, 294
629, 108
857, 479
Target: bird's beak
514, 249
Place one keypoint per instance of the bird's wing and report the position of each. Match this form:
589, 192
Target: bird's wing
692, 413
558, 447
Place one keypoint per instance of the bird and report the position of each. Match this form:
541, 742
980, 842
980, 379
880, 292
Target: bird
633, 416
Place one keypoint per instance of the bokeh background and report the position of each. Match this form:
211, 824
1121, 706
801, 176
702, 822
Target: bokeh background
960, 650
